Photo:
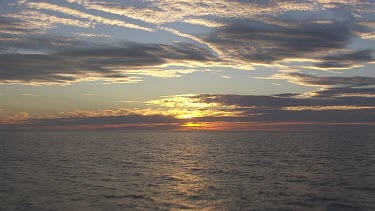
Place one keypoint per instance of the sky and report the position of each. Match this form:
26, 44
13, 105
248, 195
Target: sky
243, 65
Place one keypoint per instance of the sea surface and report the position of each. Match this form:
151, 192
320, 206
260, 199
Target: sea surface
187, 170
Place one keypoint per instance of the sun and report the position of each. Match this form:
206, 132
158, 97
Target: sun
186, 116
192, 124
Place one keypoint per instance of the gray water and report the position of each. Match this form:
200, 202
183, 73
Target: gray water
186, 170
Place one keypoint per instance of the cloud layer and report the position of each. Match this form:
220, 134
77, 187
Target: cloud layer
336, 105
260, 33
309, 80
108, 64
62, 42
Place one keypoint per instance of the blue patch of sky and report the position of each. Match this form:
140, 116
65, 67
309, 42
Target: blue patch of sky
7, 6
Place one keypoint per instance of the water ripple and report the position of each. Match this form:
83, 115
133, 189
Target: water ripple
181, 170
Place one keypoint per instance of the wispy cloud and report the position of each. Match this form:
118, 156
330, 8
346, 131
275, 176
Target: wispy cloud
80, 14
309, 80
204, 22
40, 21
271, 33
31, 95
92, 35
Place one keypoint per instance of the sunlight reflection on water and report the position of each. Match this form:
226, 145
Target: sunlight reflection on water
182, 170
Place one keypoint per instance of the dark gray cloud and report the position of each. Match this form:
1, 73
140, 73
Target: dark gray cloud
348, 100
104, 122
345, 91
277, 102
101, 62
344, 60
142, 54
267, 43
38, 44
12, 26
18, 36
258, 42
341, 91
310, 80
31, 57
291, 29
28, 55
303, 117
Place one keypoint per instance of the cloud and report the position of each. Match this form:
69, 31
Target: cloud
276, 126
189, 36
18, 118
169, 11
92, 35
263, 43
28, 94
203, 22
347, 103
277, 34
40, 21
309, 80
285, 20
104, 120
352, 101
256, 103
80, 14
338, 93
11, 26
368, 33
99, 122
344, 100
345, 92
241, 34
345, 60
272, 109
226, 112
38, 44
102, 63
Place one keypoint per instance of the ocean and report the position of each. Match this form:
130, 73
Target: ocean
141, 170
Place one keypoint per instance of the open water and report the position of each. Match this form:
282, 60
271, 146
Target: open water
187, 170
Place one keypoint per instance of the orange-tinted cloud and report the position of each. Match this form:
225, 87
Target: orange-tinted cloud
330, 108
